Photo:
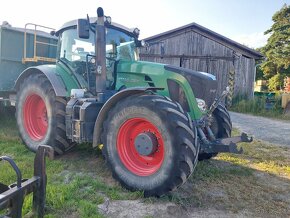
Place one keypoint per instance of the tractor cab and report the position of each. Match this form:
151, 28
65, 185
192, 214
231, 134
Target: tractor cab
77, 50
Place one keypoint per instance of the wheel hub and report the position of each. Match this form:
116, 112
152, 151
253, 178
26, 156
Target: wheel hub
146, 159
35, 117
146, 143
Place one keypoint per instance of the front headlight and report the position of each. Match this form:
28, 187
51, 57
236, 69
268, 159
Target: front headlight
201, 104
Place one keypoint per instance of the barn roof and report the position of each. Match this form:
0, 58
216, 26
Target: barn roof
244, 50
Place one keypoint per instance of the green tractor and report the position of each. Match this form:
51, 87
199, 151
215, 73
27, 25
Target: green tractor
152, 121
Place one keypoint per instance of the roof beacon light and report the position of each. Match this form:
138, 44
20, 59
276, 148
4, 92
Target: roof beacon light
136, 31
108, 19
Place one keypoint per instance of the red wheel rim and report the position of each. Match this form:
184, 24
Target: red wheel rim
35, 117
133, 161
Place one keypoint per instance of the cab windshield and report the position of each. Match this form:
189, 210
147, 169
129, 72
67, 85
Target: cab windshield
79, 55
119, 46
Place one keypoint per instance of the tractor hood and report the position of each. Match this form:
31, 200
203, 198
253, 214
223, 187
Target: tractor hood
203, 85
142, 73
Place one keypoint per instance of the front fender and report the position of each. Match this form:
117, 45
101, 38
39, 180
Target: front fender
111, 103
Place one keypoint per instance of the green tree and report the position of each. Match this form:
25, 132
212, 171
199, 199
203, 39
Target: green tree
277, 49
276, 82
259, 73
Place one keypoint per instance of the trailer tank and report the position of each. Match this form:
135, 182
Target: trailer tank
21, 48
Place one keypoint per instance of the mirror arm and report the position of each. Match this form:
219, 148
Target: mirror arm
90, 26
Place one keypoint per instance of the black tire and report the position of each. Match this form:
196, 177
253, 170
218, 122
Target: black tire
221, 127
36, 91
177, 135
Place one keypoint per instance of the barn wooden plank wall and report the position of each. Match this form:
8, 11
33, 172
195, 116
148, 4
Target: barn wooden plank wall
192, 50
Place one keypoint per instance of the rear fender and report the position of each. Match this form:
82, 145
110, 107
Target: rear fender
50, 73
111, 103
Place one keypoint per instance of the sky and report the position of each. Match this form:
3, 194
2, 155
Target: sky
244, 21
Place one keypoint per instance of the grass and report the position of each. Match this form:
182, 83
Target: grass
77, 182
256, 183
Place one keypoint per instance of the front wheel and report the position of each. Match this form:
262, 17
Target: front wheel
41, 115
149, 144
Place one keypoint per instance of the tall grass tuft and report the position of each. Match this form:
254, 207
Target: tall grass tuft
258, 106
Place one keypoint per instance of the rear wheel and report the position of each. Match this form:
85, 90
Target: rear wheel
41, 115
149, 144
221, 127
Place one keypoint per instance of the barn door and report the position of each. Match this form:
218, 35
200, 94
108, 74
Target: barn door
200, 64
185, 63
212, 66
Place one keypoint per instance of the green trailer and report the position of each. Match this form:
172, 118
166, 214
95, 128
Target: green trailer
21, 48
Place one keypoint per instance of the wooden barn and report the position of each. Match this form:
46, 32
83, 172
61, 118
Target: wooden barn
198, 48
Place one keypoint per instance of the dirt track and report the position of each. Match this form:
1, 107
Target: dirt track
270, 130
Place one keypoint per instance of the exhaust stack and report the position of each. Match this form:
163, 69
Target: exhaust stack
100, 51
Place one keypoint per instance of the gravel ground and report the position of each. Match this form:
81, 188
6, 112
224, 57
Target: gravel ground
270, 130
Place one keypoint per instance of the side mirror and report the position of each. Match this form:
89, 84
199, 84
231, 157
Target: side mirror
83, 28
